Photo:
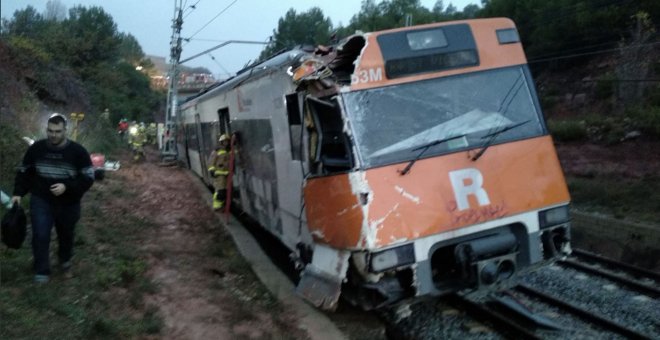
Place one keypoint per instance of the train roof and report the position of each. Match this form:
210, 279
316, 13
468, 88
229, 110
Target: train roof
285, 59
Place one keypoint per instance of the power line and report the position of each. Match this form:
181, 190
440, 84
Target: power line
201, 39
218, 63
649, 80
552, 54
191, 7
591, 53
215, 17
221, 45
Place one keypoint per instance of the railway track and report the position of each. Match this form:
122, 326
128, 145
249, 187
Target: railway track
583, 296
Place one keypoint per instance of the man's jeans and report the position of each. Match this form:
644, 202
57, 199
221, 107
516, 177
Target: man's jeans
44, 215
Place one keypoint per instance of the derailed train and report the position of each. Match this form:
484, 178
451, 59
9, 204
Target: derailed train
402, 163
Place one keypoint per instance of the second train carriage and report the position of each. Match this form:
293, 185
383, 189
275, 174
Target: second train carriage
407, 162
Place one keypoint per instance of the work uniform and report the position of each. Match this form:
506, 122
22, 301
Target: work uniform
151, 133
137, 142
219, 170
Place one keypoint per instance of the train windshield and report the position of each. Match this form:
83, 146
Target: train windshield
390, 124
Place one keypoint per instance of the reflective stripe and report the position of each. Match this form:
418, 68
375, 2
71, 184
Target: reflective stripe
56, 171
221, 152
222, 172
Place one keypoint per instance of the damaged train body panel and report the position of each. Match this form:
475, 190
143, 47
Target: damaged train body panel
423, 157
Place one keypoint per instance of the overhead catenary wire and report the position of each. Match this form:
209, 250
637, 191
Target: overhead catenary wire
210, 21
191, 7
534, 61
219, 65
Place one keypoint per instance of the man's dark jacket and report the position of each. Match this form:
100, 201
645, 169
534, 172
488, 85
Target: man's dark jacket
45, 165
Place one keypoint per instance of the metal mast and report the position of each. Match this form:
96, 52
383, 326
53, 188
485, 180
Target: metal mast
169, 150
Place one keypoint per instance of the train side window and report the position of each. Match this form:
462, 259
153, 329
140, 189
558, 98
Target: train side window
330, 149
294, 113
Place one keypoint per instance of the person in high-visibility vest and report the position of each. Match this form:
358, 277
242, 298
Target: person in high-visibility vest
219, 170
137, 139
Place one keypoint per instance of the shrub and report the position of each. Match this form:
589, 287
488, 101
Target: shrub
646, 119
567, 130
605, 86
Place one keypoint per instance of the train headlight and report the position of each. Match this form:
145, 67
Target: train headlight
392, 258
554, 216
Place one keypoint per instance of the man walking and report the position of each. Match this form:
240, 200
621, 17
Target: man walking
57, 171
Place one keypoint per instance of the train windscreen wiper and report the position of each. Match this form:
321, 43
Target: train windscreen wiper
424, 148
493, 135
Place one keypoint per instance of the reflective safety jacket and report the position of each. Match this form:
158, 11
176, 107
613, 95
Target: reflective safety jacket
219, 168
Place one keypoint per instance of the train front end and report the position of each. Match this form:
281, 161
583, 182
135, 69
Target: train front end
453, 181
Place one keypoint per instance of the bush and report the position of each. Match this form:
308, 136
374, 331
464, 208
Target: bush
12, 147
608, 129
605, 86
646, 120
98, 136
567, 130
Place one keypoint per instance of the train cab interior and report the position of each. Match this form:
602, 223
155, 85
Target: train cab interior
331, 152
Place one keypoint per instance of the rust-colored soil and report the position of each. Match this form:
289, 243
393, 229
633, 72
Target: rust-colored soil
204, 289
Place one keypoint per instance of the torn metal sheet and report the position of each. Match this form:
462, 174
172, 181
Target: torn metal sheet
321, 280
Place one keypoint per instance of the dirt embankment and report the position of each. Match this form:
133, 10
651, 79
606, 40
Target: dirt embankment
631, 159
205, 290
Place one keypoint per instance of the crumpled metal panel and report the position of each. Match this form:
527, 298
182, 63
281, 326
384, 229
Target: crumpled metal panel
321, 280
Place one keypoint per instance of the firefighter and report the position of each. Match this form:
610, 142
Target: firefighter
138, 136
219, 170
152, 130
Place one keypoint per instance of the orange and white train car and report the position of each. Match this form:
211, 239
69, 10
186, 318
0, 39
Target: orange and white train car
421, 153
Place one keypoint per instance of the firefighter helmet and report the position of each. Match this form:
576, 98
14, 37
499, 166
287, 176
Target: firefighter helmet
223, 137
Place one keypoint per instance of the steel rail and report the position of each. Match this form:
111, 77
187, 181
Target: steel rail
645, 289
581, 312
637, 271
484, 314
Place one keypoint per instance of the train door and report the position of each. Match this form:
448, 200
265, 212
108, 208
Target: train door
183, 136
294, 108
223, 127
223, 122
201, 148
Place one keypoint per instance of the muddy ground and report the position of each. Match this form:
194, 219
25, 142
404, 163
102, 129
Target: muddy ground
205, 290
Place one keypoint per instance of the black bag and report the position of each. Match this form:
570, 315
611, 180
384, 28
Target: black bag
14, 227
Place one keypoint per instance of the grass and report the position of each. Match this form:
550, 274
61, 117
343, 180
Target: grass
104, 300
635, 200
607, 129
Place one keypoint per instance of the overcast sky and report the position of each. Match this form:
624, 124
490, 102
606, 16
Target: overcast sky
150, 22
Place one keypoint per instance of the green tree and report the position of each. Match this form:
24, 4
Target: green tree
130, 50
26, 23
92, 38
80, 63
310, 27
393, 13
471, 11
